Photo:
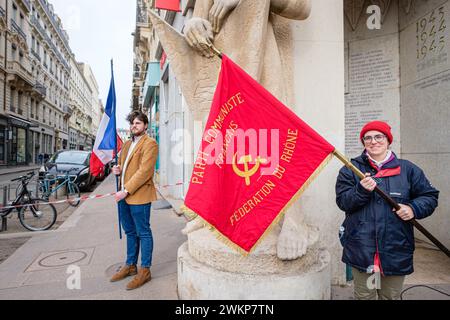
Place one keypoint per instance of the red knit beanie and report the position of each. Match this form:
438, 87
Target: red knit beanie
378, 126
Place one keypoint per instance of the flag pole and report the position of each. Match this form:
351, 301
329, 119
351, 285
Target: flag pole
391, 202
214, 50
115, 150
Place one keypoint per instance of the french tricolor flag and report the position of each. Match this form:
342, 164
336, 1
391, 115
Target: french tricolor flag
107, 142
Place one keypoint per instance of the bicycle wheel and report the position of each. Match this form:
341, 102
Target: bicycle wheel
39, 216
73, 193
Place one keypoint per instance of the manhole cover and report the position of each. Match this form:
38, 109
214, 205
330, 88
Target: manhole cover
62, 259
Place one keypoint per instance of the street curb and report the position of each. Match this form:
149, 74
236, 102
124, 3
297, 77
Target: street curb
21, 169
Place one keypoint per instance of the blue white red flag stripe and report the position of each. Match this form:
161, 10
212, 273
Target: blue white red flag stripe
107, 141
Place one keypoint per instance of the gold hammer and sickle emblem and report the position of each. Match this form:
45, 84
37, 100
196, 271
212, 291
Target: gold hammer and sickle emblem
247, 173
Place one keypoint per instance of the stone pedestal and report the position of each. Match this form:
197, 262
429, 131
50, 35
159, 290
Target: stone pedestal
207, 269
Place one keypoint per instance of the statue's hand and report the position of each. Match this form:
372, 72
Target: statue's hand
292, 241
218, 12
193, 225
199, 34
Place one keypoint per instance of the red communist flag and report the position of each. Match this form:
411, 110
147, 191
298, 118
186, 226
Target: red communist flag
171, 5
255, 157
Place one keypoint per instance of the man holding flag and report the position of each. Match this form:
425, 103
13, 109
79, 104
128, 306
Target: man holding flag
135, 167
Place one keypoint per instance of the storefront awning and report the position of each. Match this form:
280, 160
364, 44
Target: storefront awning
151, 81
18, 122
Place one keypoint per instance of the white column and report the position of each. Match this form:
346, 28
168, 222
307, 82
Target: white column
319, 101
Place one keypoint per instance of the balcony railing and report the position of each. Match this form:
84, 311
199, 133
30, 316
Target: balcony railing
50, 15
68, 110
16, 68
2, 12
18, 29
34, 53
44, 34
27, 4
41, 89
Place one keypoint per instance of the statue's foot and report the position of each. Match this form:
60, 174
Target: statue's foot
294, 241
193, 225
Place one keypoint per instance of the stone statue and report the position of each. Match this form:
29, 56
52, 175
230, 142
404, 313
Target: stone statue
208, 20
255, 34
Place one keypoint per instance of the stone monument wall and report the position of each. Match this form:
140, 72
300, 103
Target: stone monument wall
372, 73
425, 101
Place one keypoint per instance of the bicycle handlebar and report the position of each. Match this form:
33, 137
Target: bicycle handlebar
29, 175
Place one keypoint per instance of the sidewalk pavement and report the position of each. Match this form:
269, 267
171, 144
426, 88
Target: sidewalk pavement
16, 169
89, 239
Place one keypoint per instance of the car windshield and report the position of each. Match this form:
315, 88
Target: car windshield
70, 157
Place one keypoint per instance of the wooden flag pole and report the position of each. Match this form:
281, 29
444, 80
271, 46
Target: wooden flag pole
391, 202
214, 50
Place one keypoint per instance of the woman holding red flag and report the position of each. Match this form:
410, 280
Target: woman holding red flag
374, 237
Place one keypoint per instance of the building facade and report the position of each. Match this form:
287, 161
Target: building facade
156, 92
16, 84
50, 55
95, 112
35, 102
81, 98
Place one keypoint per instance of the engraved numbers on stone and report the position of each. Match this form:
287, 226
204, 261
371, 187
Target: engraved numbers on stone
430, 33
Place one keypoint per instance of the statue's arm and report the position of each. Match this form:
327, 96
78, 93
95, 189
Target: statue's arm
198, 29
201, 9
291, 9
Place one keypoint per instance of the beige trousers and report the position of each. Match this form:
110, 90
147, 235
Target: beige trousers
368, 286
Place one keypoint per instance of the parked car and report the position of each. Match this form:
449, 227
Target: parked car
105, 172
73, 162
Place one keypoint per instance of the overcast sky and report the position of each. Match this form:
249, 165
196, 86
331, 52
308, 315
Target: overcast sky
98, 31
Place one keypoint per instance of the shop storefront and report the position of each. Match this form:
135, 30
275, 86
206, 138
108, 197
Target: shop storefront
47, 142
18, 138
61, 140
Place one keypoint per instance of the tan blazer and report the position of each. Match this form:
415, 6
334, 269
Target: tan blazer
138, 178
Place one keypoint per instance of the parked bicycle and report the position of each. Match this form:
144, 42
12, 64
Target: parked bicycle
52, 183
34, 214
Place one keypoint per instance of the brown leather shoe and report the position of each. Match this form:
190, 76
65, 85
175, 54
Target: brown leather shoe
124, 272
144, 275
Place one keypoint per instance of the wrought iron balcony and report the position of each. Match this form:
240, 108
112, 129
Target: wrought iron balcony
41, 89
67, 110
27, 4
57, 27
35, 54
49, 41
15, 68
18, 29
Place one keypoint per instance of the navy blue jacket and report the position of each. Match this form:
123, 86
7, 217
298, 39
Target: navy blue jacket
369, 219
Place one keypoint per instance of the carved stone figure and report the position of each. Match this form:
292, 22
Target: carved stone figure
256, 35
256, 50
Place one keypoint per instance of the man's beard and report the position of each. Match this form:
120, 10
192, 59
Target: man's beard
137, 134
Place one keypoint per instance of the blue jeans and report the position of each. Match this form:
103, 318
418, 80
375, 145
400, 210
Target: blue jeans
135, 221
